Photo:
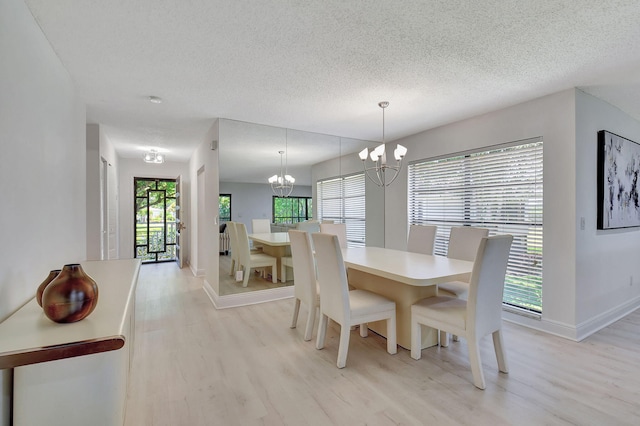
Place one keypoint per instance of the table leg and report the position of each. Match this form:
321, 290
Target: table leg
404, 295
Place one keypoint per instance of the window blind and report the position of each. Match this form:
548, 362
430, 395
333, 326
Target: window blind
342, 200
499, 189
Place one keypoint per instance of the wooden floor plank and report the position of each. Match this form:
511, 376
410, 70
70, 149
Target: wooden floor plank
195, 365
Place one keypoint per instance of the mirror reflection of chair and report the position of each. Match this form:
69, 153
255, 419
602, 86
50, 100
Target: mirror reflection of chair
259, 226
339, 229
347, 308
250, 260
421, 238
233, 246
476, 317
304, 279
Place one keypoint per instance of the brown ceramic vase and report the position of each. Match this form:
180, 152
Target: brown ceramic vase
71, 296
45, 283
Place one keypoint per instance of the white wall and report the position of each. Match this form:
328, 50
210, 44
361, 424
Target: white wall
42, 172
254, 200
608, 270
206, 159
130, 168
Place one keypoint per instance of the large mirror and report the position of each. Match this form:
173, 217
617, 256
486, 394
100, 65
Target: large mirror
248, 156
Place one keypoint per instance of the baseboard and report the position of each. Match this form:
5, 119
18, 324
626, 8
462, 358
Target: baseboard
587, 328
546, 326
196, 272
248, 298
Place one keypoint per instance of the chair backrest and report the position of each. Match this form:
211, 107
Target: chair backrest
233, 240
309, 226
464, 242
304, 269
339, 229
242, 241
484, 304
332, 277
260, 226
421, 238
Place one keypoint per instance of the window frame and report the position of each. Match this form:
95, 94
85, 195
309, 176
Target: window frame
354, 214
308, 209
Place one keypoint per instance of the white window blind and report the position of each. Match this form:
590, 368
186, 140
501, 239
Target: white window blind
342, 200
499, 189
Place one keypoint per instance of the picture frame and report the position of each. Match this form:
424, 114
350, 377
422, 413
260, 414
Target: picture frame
618, 181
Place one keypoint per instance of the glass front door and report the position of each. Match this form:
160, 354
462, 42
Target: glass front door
155, 220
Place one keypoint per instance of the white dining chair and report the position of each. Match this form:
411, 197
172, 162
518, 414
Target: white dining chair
463, 245
339, 229
260, 226
305, 285
476, 317
250, 260
421, 238
309, 226
347, 308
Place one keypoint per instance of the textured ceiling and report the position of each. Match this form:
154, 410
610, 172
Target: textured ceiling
322, 66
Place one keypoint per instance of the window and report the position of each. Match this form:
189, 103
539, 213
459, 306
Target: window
343, 201
291, 209
499, 189
224, 206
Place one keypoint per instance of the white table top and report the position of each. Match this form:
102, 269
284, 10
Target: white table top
406, 267
271, 238
29, 337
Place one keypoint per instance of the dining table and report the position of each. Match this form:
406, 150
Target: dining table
405, 278
275, 244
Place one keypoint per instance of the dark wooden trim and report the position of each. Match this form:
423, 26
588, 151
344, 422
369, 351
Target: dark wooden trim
56, 352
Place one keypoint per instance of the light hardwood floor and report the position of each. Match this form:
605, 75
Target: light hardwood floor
195, 365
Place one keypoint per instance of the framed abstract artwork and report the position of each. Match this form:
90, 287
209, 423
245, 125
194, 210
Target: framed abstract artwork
618, 186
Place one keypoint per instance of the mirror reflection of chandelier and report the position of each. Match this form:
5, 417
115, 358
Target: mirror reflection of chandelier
153, 157
381, 173
282, 184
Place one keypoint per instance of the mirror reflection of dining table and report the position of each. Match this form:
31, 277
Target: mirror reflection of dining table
275, 244
401, 276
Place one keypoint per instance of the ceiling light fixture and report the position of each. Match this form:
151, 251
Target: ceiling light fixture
155, 99
380, 172
282, 185
154, 157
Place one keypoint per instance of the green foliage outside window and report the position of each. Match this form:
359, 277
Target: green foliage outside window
292, 209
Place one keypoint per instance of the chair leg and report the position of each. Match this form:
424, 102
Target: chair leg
274, 274
345, 332
416, 339
392, 344
364, 330
311, 318
245, 273
444, 339
233, 267
296, 310
322, 331
501, 353
476, 363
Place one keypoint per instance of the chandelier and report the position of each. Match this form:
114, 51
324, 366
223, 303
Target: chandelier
282, 184
153, 157
381, 173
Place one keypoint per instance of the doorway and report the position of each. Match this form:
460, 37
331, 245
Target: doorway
155, 219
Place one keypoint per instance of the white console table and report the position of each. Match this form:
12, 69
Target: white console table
74, 374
